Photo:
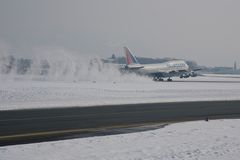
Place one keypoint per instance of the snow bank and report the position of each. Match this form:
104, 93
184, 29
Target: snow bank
215, 140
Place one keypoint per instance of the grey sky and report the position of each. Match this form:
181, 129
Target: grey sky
207, 31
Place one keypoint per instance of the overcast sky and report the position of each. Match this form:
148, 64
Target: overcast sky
207, 31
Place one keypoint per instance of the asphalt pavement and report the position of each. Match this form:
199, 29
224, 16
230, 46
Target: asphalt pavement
36, 125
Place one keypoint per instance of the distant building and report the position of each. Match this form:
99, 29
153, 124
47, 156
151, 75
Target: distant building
235, 66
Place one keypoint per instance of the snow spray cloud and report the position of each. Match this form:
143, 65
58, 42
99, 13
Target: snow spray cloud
6, 61
56, 64
72, 66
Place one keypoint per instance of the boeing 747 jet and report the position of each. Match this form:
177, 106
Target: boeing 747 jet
159, 71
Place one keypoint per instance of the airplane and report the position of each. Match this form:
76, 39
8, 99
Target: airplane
169, 69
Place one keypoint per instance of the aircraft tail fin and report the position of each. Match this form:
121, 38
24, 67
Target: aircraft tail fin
130, 58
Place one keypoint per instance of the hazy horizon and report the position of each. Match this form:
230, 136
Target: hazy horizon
205, 31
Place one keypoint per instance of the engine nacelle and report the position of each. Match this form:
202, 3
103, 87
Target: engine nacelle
193, 74
185, 75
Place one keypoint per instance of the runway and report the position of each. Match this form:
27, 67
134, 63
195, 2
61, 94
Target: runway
36, 125
202, 81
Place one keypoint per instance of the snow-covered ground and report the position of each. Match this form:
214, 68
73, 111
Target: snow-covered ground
20, 93
200, 140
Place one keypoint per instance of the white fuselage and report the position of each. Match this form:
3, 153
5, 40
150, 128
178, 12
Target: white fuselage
166, 67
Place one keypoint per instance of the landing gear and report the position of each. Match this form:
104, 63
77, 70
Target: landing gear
157, 79
169, 79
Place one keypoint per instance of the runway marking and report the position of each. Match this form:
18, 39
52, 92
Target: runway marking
81, 130
49, 133
202, 81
